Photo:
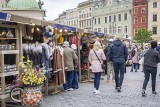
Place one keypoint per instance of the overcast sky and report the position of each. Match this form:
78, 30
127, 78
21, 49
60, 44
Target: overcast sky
55, 7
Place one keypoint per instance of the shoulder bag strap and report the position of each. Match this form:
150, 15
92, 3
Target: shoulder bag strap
97, 56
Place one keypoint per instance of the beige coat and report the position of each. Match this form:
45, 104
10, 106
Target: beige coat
71, 58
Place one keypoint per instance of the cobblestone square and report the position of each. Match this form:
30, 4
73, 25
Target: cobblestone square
109, 97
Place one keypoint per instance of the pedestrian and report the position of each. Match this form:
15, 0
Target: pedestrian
110, 70
96, 58
151, 59
118, 54
135, 58
75, 73
70, 57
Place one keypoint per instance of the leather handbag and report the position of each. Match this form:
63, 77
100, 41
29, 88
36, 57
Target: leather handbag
103, 66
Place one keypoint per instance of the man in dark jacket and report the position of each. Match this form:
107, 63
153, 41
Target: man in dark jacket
118, 54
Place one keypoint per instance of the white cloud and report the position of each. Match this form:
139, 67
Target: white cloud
55, 7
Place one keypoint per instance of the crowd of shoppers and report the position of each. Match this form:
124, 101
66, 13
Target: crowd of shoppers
115, 54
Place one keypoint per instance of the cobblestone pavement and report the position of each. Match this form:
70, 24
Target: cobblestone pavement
109, 97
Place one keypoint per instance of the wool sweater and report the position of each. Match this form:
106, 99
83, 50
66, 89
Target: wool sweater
151, 58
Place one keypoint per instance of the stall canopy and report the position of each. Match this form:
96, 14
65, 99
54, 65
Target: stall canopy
23, 20
64, 27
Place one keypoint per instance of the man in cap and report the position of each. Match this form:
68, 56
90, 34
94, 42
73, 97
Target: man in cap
71, 60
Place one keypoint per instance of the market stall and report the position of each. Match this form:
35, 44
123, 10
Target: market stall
14, 31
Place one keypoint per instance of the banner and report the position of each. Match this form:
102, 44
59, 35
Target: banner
5, 16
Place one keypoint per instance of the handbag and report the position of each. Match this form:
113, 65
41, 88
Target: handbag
103, 66
141, 61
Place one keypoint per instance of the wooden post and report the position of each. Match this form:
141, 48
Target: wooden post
19, 41
79, 58
3, 85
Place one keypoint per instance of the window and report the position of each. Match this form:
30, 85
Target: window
105, 19
119, 29
95, 21
84, 15
143, 10
135, 20
154, 17
110, 30
125, 16
154, 4
143, 19
79, 16
110, 18
114, 18
99, 20
154, 29
114, 29
105, 30
95, 29
125, 29
136, 31
135, 11
87, 15
99, 29
119, 17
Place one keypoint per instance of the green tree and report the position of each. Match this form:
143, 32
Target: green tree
143, 36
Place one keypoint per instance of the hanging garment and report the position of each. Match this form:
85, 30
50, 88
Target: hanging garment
74, 40
61, 40
58, 65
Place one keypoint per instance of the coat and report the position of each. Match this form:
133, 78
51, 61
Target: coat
71, 58
96, 65
135, 58
118, 52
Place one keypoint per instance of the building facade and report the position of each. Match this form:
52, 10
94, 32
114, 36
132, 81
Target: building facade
113, 17
72, 17
62, 18
26, 8
85, 15
154, 18
139, 15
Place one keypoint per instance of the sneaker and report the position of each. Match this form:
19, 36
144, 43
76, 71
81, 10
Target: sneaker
143, 94
71, 89
65, 90
94, 90
97, 92
154, 93
119, 89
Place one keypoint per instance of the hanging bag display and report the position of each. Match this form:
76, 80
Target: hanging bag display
103, 66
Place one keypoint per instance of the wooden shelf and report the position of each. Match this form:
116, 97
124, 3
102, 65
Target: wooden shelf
8, 38
8, 95
9, 73
9, 51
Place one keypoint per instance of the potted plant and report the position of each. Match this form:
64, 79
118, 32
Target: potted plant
31, 80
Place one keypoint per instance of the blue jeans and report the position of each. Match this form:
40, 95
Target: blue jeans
69, 79
75, 80
147, 71
97, 77
119, 68
135, 66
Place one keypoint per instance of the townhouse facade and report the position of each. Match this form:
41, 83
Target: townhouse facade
113, 17
139, 15
154, 18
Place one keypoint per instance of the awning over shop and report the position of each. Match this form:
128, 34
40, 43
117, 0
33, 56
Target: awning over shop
64, 27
